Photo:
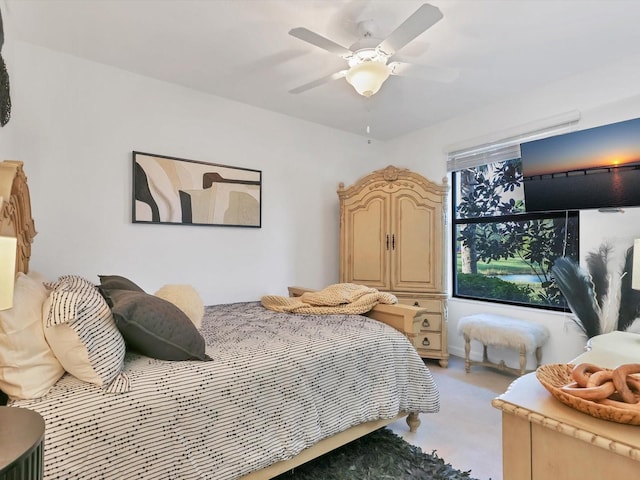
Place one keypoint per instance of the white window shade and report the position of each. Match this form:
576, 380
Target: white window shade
509, 147
476, 157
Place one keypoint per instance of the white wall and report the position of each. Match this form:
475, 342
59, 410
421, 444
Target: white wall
606, 95
75, 123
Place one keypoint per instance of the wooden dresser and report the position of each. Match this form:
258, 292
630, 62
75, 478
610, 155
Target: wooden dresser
407, 319
544, 439
392, 239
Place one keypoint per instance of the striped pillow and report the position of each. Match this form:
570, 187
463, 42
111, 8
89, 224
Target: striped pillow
82, 333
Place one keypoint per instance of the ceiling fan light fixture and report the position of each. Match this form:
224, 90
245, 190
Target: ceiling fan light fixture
367, 77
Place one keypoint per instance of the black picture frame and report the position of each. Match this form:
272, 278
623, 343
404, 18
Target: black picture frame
178, 191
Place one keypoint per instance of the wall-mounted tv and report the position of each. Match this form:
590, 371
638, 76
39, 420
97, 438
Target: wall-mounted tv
593, 168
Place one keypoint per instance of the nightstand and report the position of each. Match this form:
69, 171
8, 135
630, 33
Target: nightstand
542, 438
21, 444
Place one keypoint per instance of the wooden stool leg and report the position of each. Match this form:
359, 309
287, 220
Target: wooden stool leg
467, 350
523, 359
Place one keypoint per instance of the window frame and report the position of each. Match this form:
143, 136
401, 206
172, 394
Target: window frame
516, 217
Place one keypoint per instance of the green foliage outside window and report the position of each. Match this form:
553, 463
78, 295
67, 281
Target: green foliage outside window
495, 238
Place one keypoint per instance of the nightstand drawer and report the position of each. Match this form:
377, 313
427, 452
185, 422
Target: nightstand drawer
433, 305
430, 322
428, 341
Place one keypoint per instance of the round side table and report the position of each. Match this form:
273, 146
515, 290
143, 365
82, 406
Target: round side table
21, 444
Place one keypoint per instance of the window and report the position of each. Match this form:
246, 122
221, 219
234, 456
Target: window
501, 253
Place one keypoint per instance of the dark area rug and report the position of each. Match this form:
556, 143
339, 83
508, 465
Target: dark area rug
381, 455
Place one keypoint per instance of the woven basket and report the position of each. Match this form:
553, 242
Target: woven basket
555, 375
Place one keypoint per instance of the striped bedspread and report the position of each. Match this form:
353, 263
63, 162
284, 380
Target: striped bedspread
277, 384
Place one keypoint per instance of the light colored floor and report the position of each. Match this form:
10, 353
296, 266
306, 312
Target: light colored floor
467, 431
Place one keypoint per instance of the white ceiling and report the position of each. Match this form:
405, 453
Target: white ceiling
241, 49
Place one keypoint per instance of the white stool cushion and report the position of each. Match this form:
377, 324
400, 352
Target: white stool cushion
505, 331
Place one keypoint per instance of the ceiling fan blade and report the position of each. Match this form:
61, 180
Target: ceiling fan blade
427, 72
320, 41
318, 82
423, 18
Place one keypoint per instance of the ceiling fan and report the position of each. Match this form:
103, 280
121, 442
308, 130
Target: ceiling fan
368, 59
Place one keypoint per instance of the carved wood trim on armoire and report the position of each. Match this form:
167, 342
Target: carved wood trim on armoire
392, 238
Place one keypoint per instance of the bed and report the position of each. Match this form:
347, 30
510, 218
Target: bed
274, 390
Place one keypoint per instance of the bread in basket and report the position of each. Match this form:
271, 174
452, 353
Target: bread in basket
556, 375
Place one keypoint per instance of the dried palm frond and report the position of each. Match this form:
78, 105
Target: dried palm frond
629, 298
577, 288
5, 98
611, 305
597, 266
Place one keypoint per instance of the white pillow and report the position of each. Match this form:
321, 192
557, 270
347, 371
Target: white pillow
28, 367
186, 298
82, 333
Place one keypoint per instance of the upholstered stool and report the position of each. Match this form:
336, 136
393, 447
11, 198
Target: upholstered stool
502, 331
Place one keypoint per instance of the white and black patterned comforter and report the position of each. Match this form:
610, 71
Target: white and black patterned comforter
277, 384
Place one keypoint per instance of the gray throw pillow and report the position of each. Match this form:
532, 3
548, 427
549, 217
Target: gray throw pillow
116, 282
155, 327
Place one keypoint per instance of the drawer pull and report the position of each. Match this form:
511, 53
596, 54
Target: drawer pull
416, 304
426, 342
425, 323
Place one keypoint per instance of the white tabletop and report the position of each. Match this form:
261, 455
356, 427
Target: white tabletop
612, 349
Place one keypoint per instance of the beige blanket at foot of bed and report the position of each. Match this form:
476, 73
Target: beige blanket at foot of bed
341, 298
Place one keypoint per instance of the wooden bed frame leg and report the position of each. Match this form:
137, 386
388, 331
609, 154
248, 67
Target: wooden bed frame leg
413, 420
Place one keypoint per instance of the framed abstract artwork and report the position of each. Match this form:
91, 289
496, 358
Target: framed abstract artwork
170, 190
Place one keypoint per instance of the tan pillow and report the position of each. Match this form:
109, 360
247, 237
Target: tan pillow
186, 298
28, 367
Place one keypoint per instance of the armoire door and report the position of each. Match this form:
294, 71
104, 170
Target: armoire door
366, 240
416, 255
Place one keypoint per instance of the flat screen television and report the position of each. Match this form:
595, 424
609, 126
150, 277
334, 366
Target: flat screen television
592, 168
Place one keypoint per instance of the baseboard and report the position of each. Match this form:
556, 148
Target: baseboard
458, 352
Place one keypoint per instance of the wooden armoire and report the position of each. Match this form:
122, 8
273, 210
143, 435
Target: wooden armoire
392, 239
